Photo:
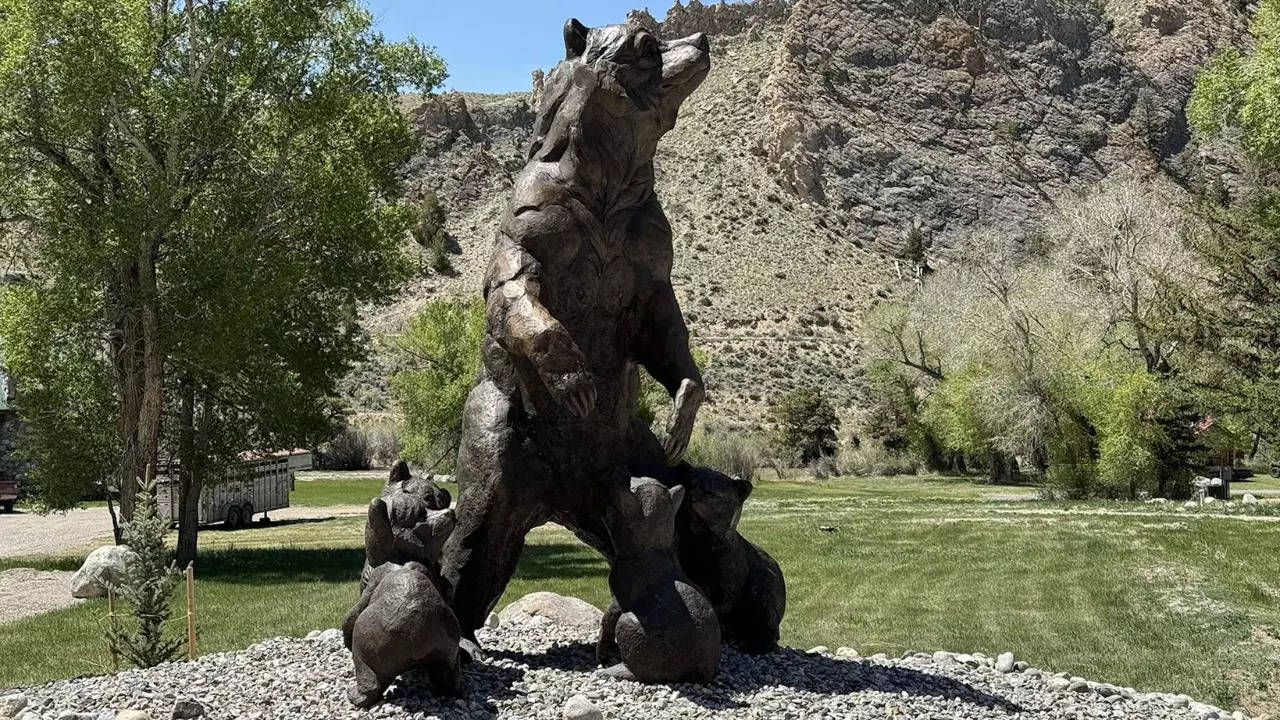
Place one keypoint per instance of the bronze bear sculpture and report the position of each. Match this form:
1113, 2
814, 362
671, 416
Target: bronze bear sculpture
397, 530
660, 627
578, 295
403, 622
743, 583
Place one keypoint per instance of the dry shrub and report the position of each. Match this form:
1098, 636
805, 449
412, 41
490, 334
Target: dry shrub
366, 442
729, 452
871, 459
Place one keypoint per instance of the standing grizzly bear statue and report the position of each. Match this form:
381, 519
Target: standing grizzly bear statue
578, 297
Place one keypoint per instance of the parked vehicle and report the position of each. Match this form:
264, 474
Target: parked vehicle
250, 487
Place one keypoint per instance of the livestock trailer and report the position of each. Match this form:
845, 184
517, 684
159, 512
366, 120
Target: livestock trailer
249, 487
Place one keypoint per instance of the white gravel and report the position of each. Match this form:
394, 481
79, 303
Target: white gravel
534, 668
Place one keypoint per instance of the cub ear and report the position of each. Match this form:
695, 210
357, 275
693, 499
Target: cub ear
575, 39
743, 488
677, 495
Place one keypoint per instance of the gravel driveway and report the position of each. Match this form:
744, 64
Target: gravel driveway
27, 533
25, 592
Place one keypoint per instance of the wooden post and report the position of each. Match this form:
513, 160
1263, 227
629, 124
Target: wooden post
191, 612
111, 620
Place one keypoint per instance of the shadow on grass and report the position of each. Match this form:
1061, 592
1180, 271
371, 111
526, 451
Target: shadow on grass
561, 561
221, 528
280, 565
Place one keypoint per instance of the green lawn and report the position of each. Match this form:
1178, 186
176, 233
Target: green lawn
1134, 594
329, 489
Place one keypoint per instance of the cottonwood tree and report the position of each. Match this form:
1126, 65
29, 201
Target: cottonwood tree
440, 356
1236, 96
219, 177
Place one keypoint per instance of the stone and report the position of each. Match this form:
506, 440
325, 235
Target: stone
847, 652
660, 627
329, 635
943, 656
133, 715
579, 707
31, 716
11, 705
1004, 663
558, 609
1210, 500
1249, 499
402, 621
104, 567
1021, 666
493, 621
820, 650
187, 710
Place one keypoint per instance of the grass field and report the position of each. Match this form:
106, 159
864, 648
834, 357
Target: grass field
1143, 595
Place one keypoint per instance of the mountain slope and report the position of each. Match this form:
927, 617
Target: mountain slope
831, 131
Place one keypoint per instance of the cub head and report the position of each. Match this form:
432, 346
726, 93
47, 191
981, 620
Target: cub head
402, 528
643, 517
715, 501
402, 480
626, 71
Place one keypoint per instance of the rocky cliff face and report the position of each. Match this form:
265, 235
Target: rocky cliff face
832, 130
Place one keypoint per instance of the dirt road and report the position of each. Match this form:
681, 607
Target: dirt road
26, 533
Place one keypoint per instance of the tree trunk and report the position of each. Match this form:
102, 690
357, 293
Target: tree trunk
139, 366
1004, 469
190, 479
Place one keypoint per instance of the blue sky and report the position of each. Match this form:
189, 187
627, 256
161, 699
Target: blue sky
494, 45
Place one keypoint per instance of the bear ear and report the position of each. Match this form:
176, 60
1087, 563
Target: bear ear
575, 39
677, 495
743, 487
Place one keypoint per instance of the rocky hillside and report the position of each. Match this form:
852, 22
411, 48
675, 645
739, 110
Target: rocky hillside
830, 132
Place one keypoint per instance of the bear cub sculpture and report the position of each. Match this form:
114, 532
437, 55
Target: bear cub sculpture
397, 530
743, 583
660, 628
403, 621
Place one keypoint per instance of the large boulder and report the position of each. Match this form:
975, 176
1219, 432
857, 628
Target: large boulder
104, 567
557, 609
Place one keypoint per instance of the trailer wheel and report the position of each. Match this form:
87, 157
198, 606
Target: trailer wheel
233, 517
247, 514
7, 505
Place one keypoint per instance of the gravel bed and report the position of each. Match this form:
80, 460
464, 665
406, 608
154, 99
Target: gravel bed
534, 668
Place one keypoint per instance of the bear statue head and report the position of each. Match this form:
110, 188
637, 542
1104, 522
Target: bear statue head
621, 83
409, 522
642, 517
715, 501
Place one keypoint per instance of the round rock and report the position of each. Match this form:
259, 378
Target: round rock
580, 707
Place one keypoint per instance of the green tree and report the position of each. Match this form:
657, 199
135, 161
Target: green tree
805, 424
219, 180
1239, 94
430, 232
67, 401
440, 348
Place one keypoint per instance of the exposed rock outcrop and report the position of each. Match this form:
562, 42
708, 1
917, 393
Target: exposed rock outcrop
832, 131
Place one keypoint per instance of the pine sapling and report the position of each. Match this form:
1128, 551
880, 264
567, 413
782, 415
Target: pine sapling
148, 587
